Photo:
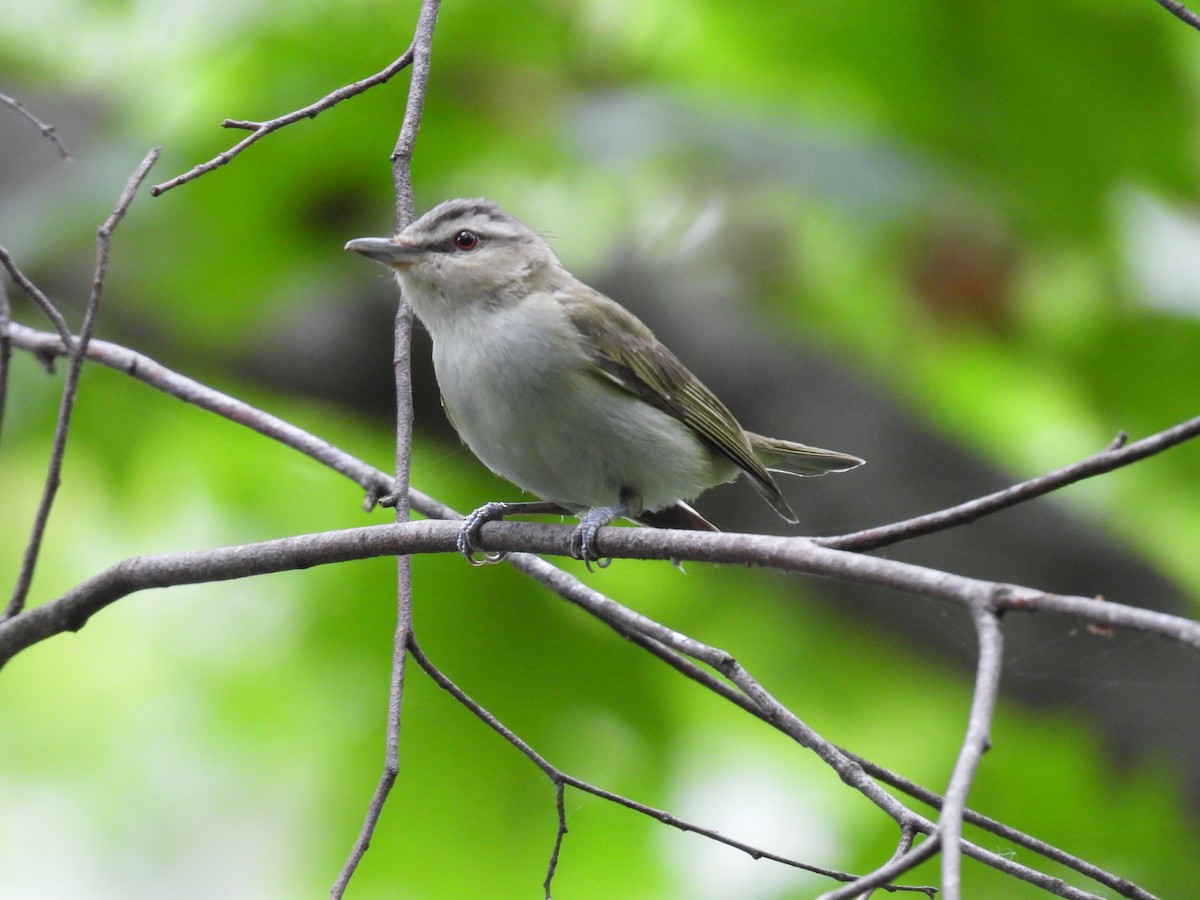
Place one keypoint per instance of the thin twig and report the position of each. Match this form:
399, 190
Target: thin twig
904, 844
407, 139
975, 743
1122, 886
5, 350
421, 49
37, 296
560, 778
903, 860
1113, 457
259, 130
560, 806
153, 374
48, 131
1181, 12
71, 388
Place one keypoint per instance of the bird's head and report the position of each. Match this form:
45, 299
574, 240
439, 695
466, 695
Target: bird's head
461, 253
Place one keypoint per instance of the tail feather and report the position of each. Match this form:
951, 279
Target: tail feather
799, 459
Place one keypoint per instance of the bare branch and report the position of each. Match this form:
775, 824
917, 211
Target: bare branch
1115, 456
1122, 886
623, 621
78, 354
382, 788
44, 303
1180, 12
406, 141
154, 374
560, 806
903, 860
5, 350
259, 130
560, 779
72, 610
48, 131
374, 482
975, 744
420, 51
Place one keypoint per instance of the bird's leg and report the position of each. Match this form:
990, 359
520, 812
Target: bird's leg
468, 535
583, 540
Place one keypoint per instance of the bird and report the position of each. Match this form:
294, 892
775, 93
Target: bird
565, 393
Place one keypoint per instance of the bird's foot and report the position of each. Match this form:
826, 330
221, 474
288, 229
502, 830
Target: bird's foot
583, 538
468, 535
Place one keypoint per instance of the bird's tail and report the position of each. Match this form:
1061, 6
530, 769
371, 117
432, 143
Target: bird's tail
799, 459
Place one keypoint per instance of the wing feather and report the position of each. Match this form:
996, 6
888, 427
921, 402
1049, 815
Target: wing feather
629, 355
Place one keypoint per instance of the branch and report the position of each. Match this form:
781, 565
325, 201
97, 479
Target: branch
1115, 456
976, 742
5, 350
625, 623
259, 130
375, 483
903, 860
561, 779
1180, 12
48, 131
71, 611
78, 353
419, 53
155, 375
43, 302
406, 141
1122, 886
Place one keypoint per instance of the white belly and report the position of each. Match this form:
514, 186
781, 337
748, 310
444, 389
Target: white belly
521, 399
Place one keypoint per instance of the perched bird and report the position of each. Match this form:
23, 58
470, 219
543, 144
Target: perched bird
563, 391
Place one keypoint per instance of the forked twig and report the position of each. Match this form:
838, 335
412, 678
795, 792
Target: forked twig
561, 780
906, 858
259, 130
39, 298
975, 743
1115, 456
48, 131
77, 356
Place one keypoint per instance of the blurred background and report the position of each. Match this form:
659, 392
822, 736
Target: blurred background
959, 240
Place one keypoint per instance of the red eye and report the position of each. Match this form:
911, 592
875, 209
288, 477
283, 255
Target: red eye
466, 240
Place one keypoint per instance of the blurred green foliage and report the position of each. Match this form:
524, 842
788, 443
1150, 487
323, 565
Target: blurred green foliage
962, 178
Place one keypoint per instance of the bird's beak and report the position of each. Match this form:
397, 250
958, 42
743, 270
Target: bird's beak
386, 250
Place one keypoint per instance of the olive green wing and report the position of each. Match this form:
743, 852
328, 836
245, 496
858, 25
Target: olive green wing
629, 355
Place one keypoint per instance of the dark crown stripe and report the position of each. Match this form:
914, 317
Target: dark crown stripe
460, 209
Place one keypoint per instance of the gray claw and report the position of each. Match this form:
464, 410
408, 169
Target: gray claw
468, 535
583, 538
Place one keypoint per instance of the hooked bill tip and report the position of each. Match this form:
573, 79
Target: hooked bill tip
382, 250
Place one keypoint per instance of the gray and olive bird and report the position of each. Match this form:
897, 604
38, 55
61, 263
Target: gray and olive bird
563, 391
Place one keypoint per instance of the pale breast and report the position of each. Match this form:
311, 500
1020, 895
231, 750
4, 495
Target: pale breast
519, 390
